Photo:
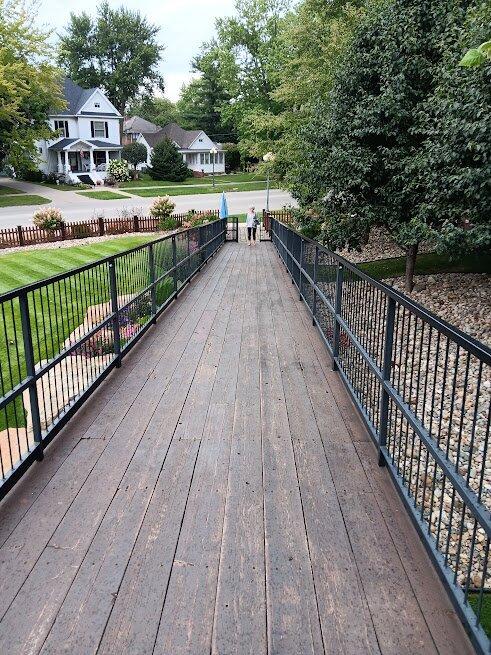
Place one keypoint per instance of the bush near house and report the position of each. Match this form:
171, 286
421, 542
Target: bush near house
47, 219
118, 169
166, 163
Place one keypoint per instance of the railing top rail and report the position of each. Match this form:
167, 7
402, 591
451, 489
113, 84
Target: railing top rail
477, 348
14, 293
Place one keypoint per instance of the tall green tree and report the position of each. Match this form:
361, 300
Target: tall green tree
166, 163
160, 111
29, 85
199, 106
117, 50
360, 145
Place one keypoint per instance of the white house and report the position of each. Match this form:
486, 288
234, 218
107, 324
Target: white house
195, 146
89, 136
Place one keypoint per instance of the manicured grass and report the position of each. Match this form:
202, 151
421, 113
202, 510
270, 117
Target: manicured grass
23, 199
146, 180
102, 195
26, 266
7, 190
186, 191
428, 264
485, 610
64, 187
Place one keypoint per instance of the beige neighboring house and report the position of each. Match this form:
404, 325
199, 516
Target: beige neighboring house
195, 146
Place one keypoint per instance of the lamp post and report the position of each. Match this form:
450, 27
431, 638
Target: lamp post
213, 153
268, 158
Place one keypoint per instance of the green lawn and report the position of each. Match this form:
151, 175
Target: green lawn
146, 180
485, 610
65, 187
428, 264
4, 190
26, 266
185, 191
23, 199
102, 195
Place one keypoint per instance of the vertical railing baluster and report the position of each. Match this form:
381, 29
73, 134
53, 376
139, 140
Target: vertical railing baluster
153, 289
386, 371
115, 311
31, 371
337, 314
174, 263
300, 275
314, 300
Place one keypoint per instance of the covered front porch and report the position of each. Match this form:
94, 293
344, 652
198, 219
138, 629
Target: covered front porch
85, 156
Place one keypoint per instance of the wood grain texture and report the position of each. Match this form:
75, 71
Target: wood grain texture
219, 495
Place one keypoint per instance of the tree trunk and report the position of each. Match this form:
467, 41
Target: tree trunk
411, 254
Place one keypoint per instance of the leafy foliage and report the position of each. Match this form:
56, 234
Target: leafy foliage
369, 149
118, 169
29, 86
162, 208
166, 163
134, 153
47, 219
116, 51
160, 111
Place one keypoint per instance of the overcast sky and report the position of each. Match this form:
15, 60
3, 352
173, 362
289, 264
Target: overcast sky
184, 24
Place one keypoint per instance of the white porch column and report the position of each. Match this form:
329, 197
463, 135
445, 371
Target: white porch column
107, 158
91, 155
67, 167
60, 163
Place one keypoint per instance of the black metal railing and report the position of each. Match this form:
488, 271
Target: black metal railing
61, 336
423, 389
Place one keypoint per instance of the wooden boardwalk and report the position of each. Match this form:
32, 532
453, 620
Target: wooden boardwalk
219, 495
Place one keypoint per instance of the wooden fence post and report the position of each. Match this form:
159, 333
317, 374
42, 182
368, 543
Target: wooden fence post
136, 226
101, 226
20, 234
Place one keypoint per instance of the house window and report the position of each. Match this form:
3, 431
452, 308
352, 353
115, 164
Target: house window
99, 129
204, 157
99, 157
62, 128
97, 105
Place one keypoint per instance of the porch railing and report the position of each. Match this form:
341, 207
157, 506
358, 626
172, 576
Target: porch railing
60, 337
423, 389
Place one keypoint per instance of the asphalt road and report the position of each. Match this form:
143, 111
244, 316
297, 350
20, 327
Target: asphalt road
76, 207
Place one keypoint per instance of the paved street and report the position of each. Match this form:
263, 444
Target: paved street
76, 207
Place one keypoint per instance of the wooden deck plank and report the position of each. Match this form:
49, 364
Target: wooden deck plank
105, 404
293, 618
434, 626
339, 592
144, 587
219, 496
187, 616
69, 543
240, 611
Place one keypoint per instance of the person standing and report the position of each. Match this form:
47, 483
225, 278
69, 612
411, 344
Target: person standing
251, 224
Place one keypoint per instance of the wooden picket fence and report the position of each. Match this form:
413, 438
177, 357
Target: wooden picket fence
27, 235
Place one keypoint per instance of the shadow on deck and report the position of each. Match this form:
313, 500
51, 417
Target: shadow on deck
219, 494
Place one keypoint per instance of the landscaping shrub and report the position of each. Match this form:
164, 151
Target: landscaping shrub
162, 208
134, 153
31, 176
167, 163
49, 218
169, 224
118, 169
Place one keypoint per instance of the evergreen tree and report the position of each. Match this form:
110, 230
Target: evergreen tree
167, 164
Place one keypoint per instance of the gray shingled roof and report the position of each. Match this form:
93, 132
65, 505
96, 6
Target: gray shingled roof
75, 97
63, 143
137, 125
172, 131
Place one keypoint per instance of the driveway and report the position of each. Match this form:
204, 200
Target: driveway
76, 207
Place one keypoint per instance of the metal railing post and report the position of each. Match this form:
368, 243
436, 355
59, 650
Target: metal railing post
115, 311
174, 263
386, 369
314, 300
31, 372
153, 290
337, 313
300, 275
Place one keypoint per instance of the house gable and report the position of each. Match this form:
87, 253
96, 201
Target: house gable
202, 142
98, 103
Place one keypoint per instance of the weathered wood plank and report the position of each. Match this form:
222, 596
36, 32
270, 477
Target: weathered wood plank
105, 404
240, 611
339, 591
187, 616
403, 620
293, 619
69, 544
